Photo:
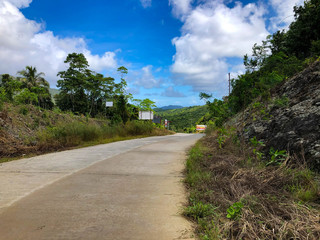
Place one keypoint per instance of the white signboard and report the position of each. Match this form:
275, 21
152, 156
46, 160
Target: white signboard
145, 115
109, 104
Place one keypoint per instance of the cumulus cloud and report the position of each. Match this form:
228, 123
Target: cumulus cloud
180, 8
25, 42
285, 14
18, 3
146, 3
146, 78
213, 32
171, 92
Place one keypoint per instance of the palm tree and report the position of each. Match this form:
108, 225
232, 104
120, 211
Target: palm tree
32, 78
36, 83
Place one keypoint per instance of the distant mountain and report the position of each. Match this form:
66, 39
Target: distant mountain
182, 118
170, 107
54, 91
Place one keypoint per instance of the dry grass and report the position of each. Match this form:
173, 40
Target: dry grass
279, 202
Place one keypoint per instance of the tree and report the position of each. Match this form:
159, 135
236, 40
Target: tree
36, 84
121, 108
304, 30
26, 97
259, 53
10, 86
120, 88
145, 104
72, 84
30, 78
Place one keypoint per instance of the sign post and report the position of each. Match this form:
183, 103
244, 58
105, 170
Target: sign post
109, 104
145, 115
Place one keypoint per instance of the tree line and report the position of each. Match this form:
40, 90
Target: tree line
82, 91
278, 58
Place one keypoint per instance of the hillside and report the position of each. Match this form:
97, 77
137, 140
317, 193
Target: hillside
290, 120
254, 178
54, 91
183, 118
169, 107
28, 129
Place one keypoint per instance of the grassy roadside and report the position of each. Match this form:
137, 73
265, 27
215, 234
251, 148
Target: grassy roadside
237, 193
26, 131
83, 145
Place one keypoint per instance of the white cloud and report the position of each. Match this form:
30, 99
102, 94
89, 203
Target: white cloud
171, 92
285, 14
211, 33
180, 8
146, 78
24, 42
146, 3
18, 3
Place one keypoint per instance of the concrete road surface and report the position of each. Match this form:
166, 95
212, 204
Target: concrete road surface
123, 190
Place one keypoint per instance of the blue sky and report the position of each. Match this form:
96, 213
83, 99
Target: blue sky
173, 49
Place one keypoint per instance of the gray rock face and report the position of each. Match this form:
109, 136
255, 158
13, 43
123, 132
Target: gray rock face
294, 126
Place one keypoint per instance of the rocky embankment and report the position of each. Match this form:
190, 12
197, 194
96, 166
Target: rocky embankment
291, 119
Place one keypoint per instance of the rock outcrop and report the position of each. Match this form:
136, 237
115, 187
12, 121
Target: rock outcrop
291, 120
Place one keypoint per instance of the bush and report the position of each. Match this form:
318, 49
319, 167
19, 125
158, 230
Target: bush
199, 210
139, 127
23, 110
75, 133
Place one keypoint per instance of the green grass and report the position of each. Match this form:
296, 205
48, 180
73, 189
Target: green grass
78, 134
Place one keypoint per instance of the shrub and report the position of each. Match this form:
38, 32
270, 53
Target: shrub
139, 127
199, 210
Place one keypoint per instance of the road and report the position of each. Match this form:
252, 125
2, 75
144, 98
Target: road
123, 190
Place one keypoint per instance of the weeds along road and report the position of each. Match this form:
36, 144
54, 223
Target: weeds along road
123, 190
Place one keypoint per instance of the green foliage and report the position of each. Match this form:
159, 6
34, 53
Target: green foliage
139, 127
194, 176
234, 211
2, 97
211, 127
281, 102
34, 86
75, 133
256, 143
183, 119
10, 86
199, 210
23, 110
304, 30
83, 91
304, 185
277, 157
222, 136
26, 97
145, 104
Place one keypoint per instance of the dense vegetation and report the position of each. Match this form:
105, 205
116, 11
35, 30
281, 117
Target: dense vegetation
29, 88
183, 119
31, 122
279, 57
81, 91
